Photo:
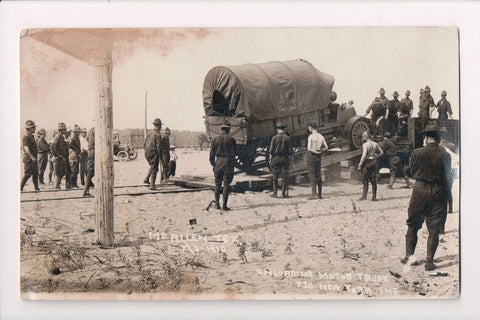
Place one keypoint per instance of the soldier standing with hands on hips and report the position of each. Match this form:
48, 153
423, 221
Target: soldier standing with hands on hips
430, 166
280, 151
222, 158
368, 165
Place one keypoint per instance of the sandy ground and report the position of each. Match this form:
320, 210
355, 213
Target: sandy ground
295, 248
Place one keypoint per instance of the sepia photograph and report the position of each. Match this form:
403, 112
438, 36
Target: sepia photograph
241, 163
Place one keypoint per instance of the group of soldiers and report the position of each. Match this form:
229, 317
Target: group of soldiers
68, 154
159, 151
392, 115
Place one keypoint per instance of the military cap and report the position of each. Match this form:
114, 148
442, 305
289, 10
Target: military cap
427, 89
407, 93
42, 131
167, 130
431, 129
77, 128
61, 126
395, 94
280, 125
30, 124
444, 93
387, 134
381, 90
157, 122
226, 124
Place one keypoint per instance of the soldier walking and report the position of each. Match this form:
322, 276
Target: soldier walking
280, 151
316, 145
152, 153
74, 155
59, 149
394, 162
444, 110
426, 105
222, 158
430, 167
30, 166
43, 151
368, 165
90, 162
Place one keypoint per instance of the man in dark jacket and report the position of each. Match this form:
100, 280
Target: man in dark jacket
444, 110
90, 162
392, 114
425, 107
165, 153
152, 153
29, 156
43, 150
395, 164
430, 166
59, 149
74, 155
222, 158
280, 151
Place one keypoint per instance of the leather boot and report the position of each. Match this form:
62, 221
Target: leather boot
319, 193
35, 183
365, 191
67, 182
410, 243
226, 192
374, 191
275, 187
217, 197
313, 186
58, 180
153, 177
23, 182
147, 178
432, 245
284, 187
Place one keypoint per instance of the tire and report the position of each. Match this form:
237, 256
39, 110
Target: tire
122, 156
132, 155
354, 129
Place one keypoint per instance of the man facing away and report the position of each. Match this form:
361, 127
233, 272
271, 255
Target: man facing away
43, 150
74, 155
29, 156
368, 165
152, 153
280, 151
316, 145
430, 166
222, 158
394, 162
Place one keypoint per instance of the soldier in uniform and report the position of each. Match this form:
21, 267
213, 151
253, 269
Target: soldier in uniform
30, 166
152, 153
405, 109
332, 107
392, 114
165, 154
83, 155
378, 109
394, 162
222, 158
280, 151
444, 110
316, 145
51, 158
74, 155
368, 165
43, 150
426, 105
90, 162
430, 166
59, 149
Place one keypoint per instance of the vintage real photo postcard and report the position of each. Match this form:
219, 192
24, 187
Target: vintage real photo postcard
240, 163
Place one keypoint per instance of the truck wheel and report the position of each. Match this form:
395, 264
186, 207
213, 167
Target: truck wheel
354, 128
122, 156
132, 155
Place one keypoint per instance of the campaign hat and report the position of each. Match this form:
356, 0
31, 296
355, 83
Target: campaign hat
62, 125
225, 124
431, 129
30, 124
381, 90
157, 122
42, 131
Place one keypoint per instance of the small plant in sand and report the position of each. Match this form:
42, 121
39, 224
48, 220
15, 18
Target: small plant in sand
267, 253
242, 249
288, 249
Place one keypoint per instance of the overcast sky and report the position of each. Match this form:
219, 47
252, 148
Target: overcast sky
171, 65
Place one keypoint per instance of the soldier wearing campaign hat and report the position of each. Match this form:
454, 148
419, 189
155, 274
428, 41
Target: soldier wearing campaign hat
426, 106
430, 166
152, 153
60, 151
280, 151
379, 110
405, 111
222, 158
371, 151
444, 110
74, 155
392, 114
30, 151
43, 150
165, 153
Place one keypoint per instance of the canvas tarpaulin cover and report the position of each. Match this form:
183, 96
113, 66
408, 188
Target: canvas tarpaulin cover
266, 91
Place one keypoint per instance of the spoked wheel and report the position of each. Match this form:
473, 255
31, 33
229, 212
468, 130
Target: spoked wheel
132, 154
354, 129
122, 156
246, 156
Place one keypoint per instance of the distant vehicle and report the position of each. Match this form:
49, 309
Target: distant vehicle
253, 97
123, 152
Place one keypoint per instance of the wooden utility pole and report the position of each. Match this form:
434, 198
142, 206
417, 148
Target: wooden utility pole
104, 152
146, 104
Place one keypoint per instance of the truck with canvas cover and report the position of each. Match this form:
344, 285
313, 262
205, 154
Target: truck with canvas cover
254, 97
